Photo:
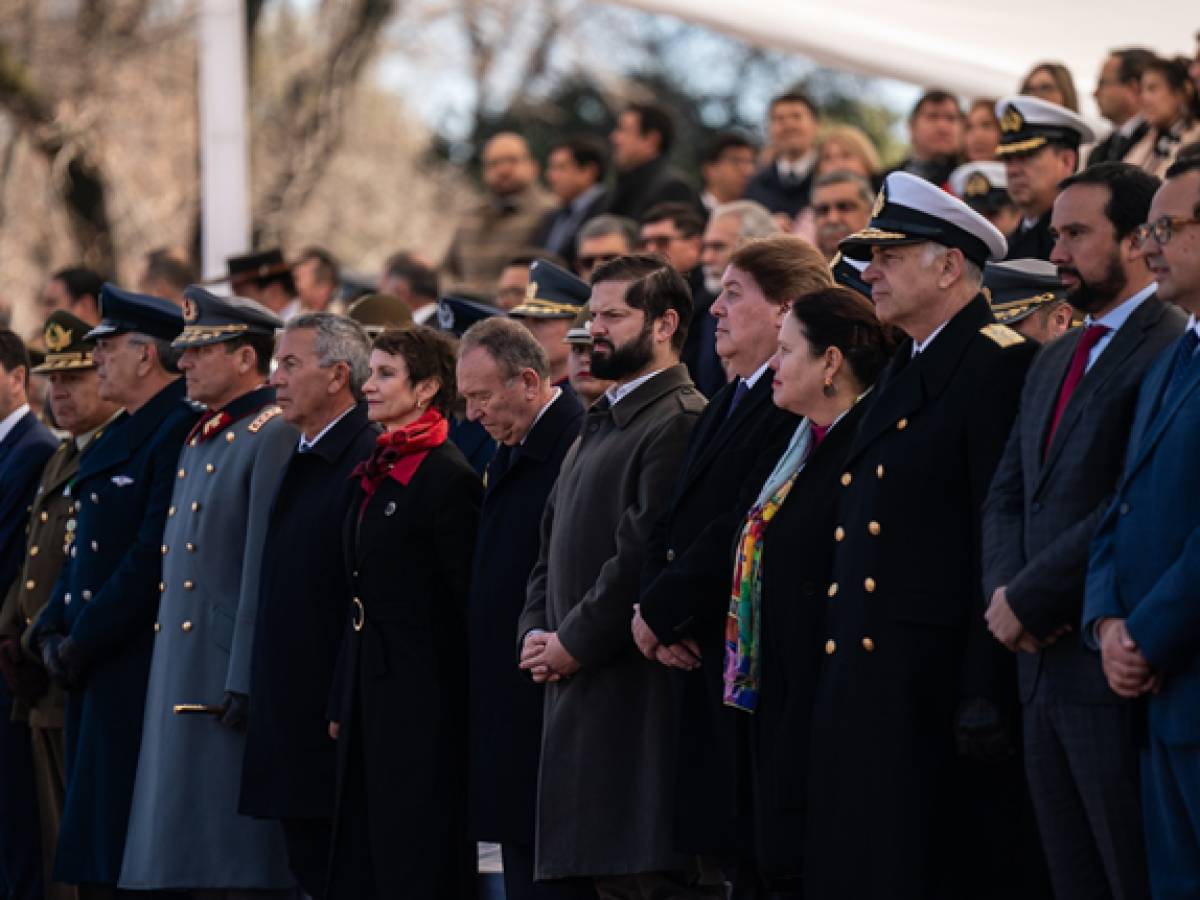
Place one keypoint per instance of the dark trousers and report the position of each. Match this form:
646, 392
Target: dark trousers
48, 745
519, 883
307, 842
1082, 764
1171, 803
20, 848
700, 882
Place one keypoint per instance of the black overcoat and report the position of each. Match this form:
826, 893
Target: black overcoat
894, 812
401, 687
506, 706
304, 598
106, 599
686, 583
1034, 242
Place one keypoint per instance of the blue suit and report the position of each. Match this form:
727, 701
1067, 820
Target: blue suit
23, 455
1145, 568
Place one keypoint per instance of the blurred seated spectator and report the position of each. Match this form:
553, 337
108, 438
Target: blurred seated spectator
1194, 66
1170, 107
317, 274
378, 312
75, 289
575, 170
641, 147
553, 300
841, 204
730, 226
166, 274
935, 129
265, 277
514, 277
846, 148
1052, 82
783, 185
727, 165
983, 186
602, 240
411, 279
981, 135
1118, 96
673, 231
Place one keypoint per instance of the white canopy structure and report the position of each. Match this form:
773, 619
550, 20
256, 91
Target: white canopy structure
970, 48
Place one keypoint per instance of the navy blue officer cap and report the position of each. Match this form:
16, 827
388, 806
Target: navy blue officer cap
1019, 287
124, 311
209, 319
458, 312
848, 273
553, 293
911, 210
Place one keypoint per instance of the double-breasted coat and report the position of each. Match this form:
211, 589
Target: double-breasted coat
105, 599
894, 812
184, 827
607, 783
400, 689
506, 706
685, 593
304, 596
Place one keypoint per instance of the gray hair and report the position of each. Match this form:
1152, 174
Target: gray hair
339, 340
972, 272
509, 343
756, 219
866, 191
603, 226
167, 355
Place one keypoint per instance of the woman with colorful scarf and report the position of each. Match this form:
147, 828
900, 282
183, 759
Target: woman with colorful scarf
399, 704
831, 348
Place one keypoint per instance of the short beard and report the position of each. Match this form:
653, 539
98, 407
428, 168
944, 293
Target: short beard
1091, 296
625, 360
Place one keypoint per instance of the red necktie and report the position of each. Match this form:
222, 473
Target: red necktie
1090, 337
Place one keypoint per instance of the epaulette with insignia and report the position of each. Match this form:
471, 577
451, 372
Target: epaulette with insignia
1002, 335
263, 418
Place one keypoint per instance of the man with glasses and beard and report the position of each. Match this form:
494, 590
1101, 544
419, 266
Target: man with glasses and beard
1061, 464
606, 785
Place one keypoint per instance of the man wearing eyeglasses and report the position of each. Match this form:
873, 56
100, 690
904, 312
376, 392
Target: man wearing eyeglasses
842, 204
602, 240
1141, 608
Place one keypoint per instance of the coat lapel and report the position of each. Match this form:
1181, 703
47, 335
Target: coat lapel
724, 425
1154, 420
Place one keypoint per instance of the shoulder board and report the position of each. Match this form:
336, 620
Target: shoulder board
263, 418
1002, 335
691, 400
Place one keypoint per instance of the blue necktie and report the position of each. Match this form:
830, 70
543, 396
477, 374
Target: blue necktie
1185, 355
739, 393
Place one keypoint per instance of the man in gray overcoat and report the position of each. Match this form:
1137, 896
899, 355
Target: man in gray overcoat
605, 791
185, 833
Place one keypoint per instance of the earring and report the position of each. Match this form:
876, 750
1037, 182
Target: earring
420, 404
829, 390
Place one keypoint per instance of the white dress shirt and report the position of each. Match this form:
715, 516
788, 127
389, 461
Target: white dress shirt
619, 392
1114, 319
10, 421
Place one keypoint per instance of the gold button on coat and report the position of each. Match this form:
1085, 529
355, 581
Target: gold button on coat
879, 471
830, 646
30, 584
161, 587
869, 584
846, 479
902, 424
195, 506
45, 516
164, 549
874, 528
833, 589
839, 533
188, 585
868, 645
34, 551
190, 547
210, 468
186, 626
183, 473
86, 595
171, 511
157, 627
229, 437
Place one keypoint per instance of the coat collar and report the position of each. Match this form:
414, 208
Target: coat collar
721, 425
670, 379
334, 442
1156, 413
544, 435
128, 432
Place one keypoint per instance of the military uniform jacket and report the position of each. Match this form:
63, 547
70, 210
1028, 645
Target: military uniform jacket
905, 636
1033, 242
606, 788
105, 598
44, 555
184, 827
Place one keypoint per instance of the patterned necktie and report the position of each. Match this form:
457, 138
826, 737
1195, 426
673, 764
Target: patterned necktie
1075, 372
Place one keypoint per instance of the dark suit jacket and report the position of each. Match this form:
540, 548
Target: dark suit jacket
506, 706
767, 187
699, 351
1114, 147
1031, 243
400, 689
685, 593
1043, 508
304, 596
1145, 559
23, 453
106, 599
648, 185
567, 248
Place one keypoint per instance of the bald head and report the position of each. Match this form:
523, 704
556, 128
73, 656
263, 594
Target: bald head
508, 166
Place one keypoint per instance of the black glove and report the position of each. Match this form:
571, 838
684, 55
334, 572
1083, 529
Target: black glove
72, 659
237, 707
50, 659
26, 679
980, 732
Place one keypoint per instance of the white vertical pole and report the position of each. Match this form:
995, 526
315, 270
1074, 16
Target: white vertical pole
224, 149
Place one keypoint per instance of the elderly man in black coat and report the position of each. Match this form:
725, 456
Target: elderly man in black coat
504, 376
290, 762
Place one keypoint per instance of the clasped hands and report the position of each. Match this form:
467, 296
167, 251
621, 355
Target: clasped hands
1128, 672
684, 654
1005, 627
545, 658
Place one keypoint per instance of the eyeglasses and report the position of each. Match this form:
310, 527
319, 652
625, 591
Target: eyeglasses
842, 206
657, 242
1162, 230
590, 262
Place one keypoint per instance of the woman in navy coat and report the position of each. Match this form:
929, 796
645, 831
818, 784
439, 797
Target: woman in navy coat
399, 704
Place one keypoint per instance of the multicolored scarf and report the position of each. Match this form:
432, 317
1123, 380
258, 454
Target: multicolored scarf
743, 656
399, 453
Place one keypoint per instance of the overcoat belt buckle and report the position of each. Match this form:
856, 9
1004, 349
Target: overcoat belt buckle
360, 615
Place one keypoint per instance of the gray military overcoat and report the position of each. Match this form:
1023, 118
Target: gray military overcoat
606, 785
184, 827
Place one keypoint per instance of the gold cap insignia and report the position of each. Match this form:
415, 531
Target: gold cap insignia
977, 186
880, 202
57, 337
1012, 121
190, 312
531, 291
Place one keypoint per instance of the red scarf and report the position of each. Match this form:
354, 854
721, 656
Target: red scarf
399, 453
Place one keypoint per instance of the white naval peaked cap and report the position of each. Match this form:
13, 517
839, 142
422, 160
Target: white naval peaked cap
1030, 123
